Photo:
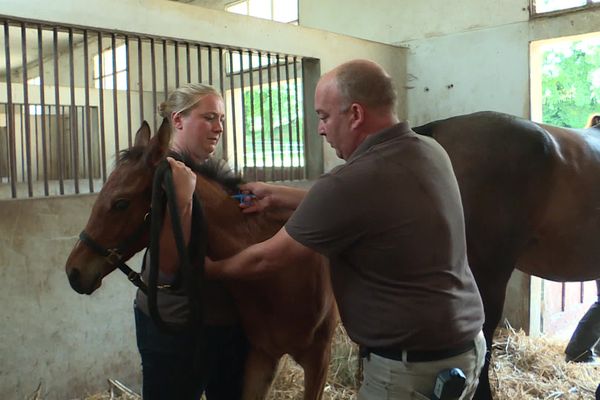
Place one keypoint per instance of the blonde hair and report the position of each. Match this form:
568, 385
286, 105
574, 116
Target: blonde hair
184, 98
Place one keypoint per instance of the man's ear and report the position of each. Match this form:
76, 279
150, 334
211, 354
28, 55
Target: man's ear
357, 115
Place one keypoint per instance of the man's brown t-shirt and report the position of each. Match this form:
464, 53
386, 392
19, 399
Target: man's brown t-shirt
391, 222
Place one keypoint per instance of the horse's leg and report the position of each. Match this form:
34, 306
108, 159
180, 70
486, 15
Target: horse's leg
492, 279
315, 360
259, 373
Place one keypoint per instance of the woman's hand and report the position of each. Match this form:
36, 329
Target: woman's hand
184, 180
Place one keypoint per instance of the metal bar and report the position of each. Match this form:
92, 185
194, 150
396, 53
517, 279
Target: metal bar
271, 122
36, 134
81, 128
300, 172
165, 71
88, 125
101, 106
262, 112
210, 63
279, 112
43, 108
128, 92
10, 117
251, 83
233, 122
242, 87
176, 64
73, 115
222, 86
187, 62
289, 118
221, 71
6, 143
26, 109
199, 54
113, 40
140, 79
22, 148
59, 139
153, 65
563, 295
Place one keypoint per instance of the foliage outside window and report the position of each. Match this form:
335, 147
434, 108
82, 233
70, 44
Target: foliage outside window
571, 82
548, 6
274, 138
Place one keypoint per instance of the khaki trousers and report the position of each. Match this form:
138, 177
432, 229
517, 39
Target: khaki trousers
385, 379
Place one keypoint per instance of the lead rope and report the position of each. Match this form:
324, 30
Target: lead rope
190, 276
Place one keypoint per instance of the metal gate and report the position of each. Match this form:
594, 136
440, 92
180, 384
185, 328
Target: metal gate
71, 98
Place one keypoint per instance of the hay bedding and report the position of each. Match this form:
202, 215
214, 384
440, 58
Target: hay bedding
523, 368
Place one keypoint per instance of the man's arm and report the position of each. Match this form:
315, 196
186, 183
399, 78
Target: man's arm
260, 259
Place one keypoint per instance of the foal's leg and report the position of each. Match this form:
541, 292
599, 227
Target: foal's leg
315, 360
259, 373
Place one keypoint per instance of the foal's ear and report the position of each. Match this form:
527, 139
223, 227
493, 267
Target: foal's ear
159, 145
164, 134
142, 136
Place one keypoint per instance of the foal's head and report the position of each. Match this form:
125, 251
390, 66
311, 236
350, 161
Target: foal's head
117, 217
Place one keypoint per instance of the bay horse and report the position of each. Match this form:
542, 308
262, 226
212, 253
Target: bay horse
531, 198
290, 312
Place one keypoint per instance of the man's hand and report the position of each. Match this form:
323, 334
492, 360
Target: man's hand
262, 201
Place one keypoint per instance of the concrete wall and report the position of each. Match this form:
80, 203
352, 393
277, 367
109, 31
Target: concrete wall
68, 343
73, 343
464, 56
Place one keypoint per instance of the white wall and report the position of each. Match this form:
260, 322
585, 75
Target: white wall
481, 47
50, 334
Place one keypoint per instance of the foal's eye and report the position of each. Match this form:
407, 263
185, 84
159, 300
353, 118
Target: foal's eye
121, 205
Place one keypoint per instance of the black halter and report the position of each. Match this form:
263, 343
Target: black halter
114, 256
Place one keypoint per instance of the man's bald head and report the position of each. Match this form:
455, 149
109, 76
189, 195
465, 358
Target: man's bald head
364, 82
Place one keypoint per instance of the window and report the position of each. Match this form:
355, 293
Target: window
34, 81
565, 80
548, 6
107, 69
277, 10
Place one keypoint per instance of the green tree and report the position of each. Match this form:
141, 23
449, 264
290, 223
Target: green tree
273, 124
571, 84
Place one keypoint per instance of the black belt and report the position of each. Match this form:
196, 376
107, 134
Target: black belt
417, 355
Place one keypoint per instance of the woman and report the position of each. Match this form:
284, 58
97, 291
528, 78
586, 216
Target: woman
182, 365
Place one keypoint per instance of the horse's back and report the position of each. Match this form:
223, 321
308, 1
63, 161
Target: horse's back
530, 191
566, 241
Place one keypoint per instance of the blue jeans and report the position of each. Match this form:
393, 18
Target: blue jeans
181, 366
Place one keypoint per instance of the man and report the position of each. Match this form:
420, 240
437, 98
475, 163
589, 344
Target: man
391, 222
